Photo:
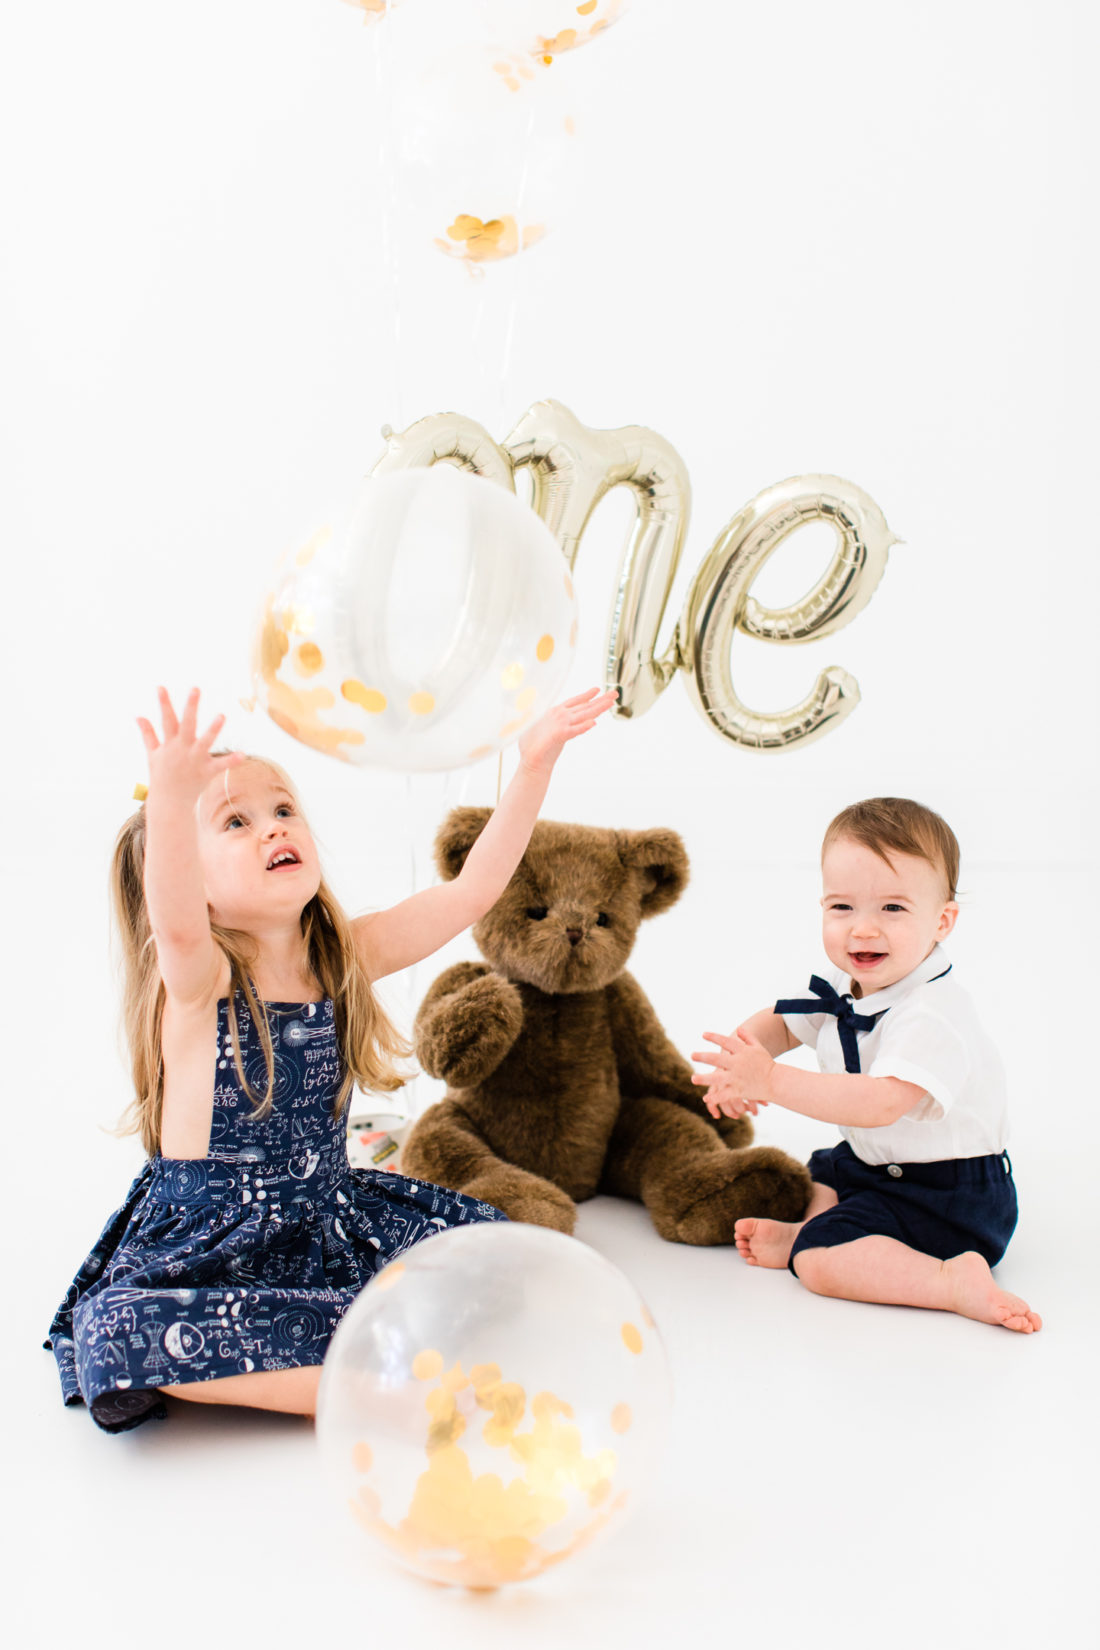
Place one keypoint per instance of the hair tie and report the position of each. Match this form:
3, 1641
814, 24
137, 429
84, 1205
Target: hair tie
140, 792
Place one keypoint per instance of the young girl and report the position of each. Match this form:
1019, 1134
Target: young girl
250, 1016
918, 1202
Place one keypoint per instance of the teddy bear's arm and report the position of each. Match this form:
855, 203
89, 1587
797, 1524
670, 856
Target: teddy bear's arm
466, 1024
648, 1062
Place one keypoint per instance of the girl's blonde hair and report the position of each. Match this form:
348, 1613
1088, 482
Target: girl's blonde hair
369, 1043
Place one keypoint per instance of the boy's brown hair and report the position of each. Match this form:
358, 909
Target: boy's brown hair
893, 824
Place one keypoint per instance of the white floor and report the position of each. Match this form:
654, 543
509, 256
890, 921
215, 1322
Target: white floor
839, 1474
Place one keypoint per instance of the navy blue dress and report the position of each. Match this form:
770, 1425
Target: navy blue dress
246, 1259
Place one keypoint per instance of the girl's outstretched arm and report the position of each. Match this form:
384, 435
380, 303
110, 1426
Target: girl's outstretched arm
397, 938
180, 768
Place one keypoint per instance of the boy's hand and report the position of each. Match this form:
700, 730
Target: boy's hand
181, 766
742, 1074
542, 744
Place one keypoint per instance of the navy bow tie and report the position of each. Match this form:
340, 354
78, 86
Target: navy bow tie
828, 1001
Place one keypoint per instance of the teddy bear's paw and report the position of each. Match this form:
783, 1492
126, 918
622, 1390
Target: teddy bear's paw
525, 1197
706, 1206
466, 1035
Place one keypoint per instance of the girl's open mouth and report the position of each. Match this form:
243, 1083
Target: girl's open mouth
285, 860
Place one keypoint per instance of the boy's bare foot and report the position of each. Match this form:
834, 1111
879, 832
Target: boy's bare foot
976, 1294
765, 1242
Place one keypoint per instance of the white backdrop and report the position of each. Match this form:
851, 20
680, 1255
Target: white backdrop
854, 238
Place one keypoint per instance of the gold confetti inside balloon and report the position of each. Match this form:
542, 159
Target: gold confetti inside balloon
547, 29
428, 632
492, 1402
374, 11
486, 153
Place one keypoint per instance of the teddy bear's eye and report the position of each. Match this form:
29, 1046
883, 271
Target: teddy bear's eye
536, 912
603, 920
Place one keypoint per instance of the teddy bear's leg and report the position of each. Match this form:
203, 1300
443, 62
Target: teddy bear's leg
443, 1147
695, 1187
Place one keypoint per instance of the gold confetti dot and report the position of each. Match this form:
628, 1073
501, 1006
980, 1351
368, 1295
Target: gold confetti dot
600, 1491
647, 1317
421, 704
390, 1275
248, 704
573, 634
632, 1338
510, 728
369, 698
309, 658
621, 1418
480, 751
526, 699
510, 677
569, 587
362, 1456
427, 1364
589, 6
544, 649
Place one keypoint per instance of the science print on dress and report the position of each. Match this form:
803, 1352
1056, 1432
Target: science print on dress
246, 1259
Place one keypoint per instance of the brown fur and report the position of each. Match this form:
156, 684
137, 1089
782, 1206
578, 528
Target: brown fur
561, 1081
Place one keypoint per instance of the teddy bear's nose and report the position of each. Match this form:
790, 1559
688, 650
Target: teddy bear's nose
574, 935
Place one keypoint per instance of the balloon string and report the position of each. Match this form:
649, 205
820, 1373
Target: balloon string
387, 169
517, 278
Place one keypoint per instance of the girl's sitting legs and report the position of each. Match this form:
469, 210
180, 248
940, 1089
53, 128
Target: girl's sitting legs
289, 1391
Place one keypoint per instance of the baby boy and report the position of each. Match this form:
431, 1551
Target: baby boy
918, 1201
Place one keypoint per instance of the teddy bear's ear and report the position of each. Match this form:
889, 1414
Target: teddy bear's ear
456, 836
661, 858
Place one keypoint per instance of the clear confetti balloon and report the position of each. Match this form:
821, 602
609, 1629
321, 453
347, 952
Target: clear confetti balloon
547, 29
426, 633
492, 1403
486, 155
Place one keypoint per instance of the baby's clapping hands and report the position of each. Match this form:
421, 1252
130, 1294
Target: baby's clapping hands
742, 1074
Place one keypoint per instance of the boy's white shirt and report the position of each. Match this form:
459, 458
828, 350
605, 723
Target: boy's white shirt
932, 1037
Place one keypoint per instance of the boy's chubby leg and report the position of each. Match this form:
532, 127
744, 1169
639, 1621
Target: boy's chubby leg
882, 1269
769, 1242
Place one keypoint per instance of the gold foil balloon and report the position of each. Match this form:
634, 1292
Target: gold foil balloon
426, 633
492, 1402
719, 603
572, 468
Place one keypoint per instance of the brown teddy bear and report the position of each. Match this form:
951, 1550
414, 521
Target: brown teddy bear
561, 1082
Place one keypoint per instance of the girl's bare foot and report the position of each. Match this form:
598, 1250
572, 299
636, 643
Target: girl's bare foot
976, 1294
765, 1242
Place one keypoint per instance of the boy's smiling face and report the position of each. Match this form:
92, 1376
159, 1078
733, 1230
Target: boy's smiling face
881, 918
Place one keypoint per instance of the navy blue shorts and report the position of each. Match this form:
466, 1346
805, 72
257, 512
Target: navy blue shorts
942, 1208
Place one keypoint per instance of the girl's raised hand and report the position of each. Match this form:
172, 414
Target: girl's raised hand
180, 764
543, 743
